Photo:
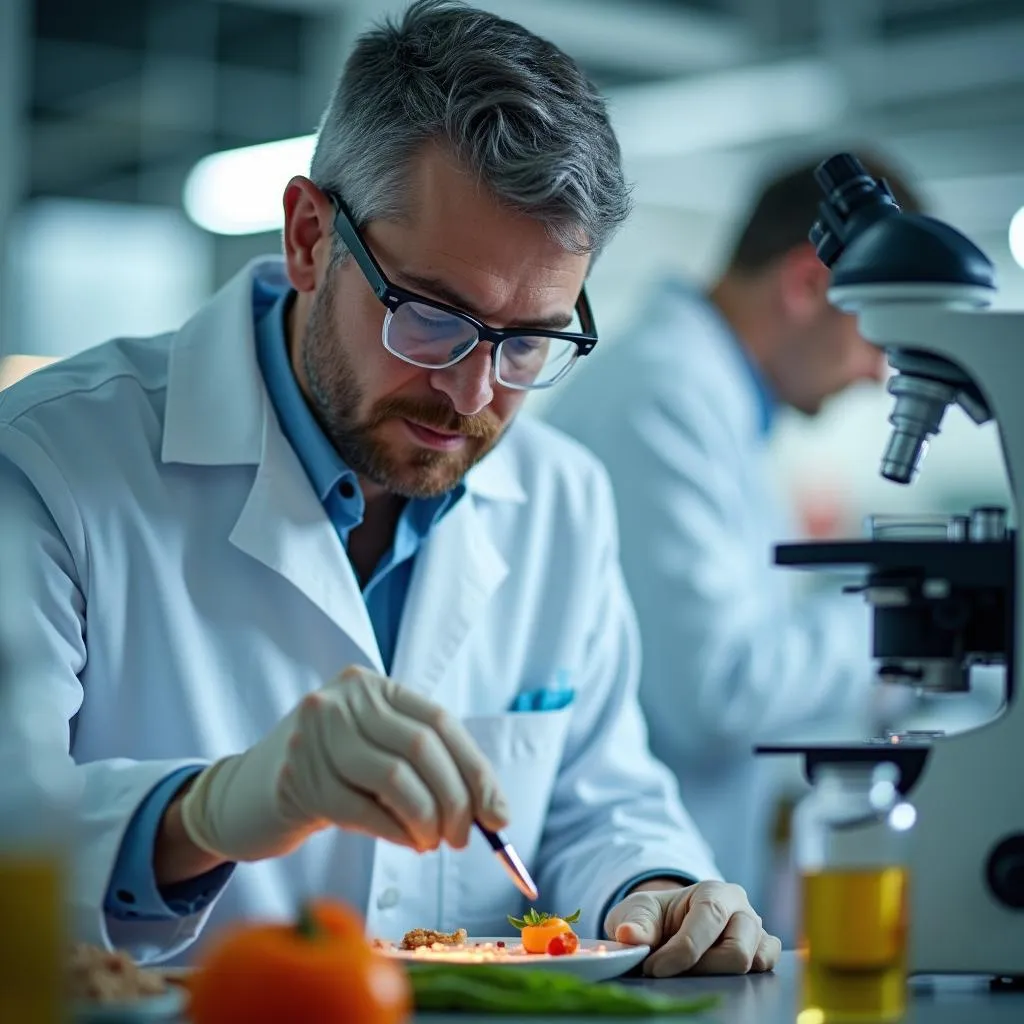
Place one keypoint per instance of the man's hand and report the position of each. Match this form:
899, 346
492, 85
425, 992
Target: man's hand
361, 753
708, 928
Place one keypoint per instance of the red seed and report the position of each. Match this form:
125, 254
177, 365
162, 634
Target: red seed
571, 942
500, 944
556, 947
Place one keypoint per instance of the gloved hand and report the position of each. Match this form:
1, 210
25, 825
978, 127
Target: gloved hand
362, 754
707, 928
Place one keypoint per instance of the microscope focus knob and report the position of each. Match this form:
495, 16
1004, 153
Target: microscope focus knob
1005, 871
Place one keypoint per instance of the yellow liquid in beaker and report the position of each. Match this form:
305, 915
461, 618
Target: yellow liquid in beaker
33, 952
854, 946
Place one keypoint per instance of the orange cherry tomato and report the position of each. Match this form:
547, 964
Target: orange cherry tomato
537, 937
564, 944
538, 929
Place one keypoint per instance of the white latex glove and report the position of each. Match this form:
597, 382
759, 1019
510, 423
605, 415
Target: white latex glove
362, 754
707, 928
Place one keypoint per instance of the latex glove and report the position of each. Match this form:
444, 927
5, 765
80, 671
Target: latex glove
362, 754
708, 928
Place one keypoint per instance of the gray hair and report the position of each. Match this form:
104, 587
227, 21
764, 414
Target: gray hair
515, 110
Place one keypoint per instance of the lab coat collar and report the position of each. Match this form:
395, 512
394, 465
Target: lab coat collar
216, 401
494, 477
767, 403
218, 413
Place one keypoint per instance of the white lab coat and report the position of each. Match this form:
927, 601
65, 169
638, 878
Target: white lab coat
187, 589
730, 656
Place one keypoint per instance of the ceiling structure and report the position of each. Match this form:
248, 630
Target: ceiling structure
122, 97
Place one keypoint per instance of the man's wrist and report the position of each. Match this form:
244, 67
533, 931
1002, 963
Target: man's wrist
175, 857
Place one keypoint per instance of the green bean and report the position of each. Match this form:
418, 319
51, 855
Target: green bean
490, 989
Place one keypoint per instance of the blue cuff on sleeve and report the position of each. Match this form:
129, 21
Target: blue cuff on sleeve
636, 880
133, 894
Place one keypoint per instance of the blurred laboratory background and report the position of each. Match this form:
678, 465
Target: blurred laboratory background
129, 191
146, 144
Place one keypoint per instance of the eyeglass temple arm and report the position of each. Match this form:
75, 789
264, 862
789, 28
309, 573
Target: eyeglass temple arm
345, 225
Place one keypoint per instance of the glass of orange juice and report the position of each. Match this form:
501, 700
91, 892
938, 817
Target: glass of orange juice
851, 835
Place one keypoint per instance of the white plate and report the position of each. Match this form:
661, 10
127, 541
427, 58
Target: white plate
594, 961
167, 1006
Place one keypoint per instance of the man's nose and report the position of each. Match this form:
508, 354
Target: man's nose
468, 384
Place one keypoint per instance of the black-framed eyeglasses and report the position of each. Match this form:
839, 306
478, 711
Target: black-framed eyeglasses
434, 335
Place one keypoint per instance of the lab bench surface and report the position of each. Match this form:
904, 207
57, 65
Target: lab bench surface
774, 999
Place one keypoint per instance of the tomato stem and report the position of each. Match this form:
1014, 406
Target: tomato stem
306, 925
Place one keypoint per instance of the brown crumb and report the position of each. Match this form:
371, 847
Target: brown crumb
426, 937
100, 976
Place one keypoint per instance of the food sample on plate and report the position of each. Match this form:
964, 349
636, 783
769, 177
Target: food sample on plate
100, 976
540, 935
545, 933
420, 937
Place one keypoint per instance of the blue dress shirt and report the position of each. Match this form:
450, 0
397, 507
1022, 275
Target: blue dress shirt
133, 893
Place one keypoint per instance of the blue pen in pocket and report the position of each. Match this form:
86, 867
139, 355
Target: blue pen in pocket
546, 698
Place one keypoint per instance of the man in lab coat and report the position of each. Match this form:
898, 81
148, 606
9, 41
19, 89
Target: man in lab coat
680, 412
310, 600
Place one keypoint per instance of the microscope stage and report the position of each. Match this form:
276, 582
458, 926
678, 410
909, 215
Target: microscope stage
907, 751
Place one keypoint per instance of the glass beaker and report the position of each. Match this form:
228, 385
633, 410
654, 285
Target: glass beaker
851, 837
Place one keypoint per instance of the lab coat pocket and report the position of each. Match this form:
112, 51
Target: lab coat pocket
525, 749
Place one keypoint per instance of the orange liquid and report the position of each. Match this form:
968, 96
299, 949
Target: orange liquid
32, 948
854, 946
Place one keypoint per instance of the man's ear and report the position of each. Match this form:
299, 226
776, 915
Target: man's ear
308, 231
804, 282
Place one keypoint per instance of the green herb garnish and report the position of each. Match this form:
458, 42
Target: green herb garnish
532, 918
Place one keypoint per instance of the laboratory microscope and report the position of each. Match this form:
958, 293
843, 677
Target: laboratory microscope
944, 591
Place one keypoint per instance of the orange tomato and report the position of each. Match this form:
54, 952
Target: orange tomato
537, 936
538, 929
336, 918
322, 970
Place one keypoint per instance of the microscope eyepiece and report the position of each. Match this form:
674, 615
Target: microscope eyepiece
876, 255
853, 199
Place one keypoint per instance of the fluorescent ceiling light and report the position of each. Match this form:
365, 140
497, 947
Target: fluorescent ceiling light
725, 109
239, 191
1017, 237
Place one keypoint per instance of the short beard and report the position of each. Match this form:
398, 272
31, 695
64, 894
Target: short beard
336, 396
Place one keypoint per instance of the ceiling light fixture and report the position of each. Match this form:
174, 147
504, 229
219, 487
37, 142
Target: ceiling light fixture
1017, 237
239, 191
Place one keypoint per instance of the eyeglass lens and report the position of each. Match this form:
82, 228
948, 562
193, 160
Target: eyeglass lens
431, 337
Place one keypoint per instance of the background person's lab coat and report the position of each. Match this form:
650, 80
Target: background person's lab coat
164, 507
730, 654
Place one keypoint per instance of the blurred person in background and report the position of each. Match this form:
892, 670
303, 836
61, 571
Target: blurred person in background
312, 598
680, 411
